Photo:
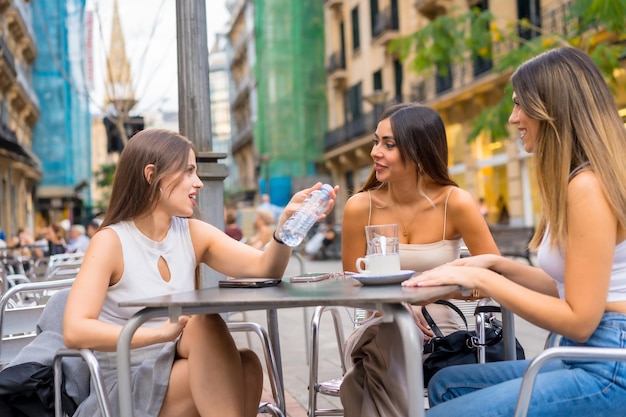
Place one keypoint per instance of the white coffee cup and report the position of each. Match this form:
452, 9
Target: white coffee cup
379, 264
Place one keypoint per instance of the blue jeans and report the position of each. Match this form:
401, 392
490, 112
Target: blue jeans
562, 388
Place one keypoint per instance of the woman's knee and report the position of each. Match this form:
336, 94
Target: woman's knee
250, 362
207, 323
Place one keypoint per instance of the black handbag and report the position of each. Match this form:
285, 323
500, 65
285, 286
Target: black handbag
461, 347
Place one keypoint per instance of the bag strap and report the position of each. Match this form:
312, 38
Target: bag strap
431, 322
487, 309
478, 310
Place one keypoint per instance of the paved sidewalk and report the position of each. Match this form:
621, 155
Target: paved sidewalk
293, 324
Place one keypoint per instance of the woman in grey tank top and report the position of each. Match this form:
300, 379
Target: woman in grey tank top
149, 245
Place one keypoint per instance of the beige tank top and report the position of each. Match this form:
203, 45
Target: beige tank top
424, 256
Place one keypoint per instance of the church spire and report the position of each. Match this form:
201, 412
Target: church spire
119, 85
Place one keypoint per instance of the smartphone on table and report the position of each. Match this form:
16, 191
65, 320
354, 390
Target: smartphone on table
311, 277
249, 282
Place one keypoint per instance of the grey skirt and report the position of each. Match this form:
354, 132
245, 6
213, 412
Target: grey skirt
150, 373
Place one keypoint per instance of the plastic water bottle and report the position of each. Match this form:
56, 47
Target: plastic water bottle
297, 226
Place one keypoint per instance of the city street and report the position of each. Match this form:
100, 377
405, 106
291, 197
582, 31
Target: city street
294, 325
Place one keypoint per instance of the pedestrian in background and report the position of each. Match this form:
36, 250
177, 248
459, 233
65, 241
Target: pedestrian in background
264, 228
78, 240
92, 227
231, 228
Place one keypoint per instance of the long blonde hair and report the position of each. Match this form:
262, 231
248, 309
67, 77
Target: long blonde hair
578, 125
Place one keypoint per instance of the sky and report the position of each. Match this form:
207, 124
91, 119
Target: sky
149, 28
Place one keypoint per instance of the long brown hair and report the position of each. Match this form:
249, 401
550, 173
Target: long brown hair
420, 136
578, 126
132, 195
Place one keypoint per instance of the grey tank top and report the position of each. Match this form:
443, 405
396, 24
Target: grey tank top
141, 277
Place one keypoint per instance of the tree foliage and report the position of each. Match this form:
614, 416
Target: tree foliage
594, 26
104, 180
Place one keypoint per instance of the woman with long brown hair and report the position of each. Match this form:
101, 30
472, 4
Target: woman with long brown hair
149, 245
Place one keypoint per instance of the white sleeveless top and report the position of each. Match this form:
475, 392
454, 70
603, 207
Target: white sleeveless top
552, 261
420, 257
141, 277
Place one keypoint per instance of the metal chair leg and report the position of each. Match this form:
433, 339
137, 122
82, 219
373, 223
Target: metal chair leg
270, 362
94, 373
328, 387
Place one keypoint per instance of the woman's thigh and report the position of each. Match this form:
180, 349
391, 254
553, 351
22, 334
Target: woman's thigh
455, 381
559, 391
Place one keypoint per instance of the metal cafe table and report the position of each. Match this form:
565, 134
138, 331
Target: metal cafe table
342, 292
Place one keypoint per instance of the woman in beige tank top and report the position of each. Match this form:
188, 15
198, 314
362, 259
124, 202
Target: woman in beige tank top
409, 185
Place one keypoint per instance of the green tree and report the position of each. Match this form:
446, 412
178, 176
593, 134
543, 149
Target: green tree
104, 180
594, 26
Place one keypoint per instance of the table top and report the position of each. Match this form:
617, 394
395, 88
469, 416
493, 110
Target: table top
346, 292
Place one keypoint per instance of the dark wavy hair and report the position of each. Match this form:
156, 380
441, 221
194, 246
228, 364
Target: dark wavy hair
420, 136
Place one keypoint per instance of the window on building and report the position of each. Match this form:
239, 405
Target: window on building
398, 75
482, 64
356, 40
373, 16
530, 10
443, 79
354, 102
342, 38
378, 80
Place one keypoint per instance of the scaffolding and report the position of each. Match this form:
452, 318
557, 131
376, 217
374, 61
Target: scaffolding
291, 79
62, 135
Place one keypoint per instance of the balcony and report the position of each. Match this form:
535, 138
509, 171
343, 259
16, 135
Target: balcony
242, 91
430, 9
418, 92
336, 70
386, 27
8, 72
350, 131
4, 5
239, 50
18, 22
241, 138
333, 4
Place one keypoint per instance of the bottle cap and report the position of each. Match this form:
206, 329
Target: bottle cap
327, 187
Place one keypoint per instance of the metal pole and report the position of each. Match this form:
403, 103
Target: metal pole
194, 114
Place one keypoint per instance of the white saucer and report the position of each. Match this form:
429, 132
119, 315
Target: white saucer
396, 278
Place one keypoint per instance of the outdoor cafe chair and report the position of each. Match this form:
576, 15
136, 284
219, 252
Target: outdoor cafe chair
332, 386
570, 353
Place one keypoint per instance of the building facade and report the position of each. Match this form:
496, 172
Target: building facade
278, 103
20, 168
62, 135
363, 77
220, 109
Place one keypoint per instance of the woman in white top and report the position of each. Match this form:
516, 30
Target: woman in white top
149, 245
567, 118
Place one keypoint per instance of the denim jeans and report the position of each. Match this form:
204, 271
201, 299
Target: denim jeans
562, 388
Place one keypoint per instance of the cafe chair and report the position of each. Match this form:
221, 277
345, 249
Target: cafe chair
95, 376
572, 353
18, 323
270, 364
332, 387
329, 387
